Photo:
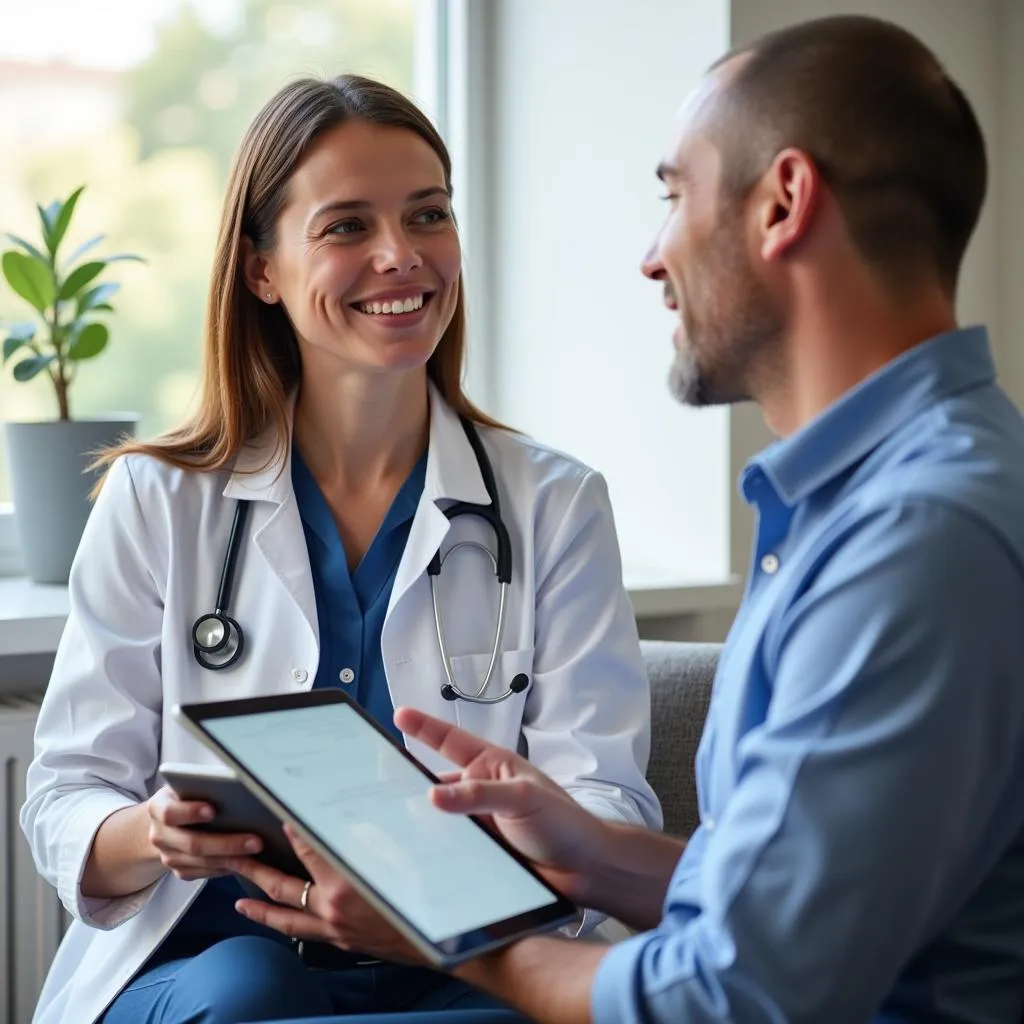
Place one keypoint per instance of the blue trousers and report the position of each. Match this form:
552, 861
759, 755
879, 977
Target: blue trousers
250, 979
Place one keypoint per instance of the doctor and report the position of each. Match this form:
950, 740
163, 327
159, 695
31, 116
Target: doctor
333, 442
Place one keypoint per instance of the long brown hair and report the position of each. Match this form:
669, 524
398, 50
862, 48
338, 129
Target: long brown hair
251, 360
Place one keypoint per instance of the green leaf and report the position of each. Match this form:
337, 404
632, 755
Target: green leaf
23, 330
28, 368
62, 220
122, 257
96, 297
103, 307
12, 344
83, 249
29, 248
51, 213
48, 216
80, 277
28, 277
91, 341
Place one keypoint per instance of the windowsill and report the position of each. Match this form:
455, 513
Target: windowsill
32, 615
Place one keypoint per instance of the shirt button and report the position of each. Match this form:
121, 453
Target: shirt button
299, 675
770, 564
346, 675
709, 824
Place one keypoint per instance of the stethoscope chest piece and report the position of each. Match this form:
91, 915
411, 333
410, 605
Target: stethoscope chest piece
217, 640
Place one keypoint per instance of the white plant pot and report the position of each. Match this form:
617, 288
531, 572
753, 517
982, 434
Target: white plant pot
50, 485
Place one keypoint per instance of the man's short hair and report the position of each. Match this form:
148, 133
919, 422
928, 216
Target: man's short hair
891, 133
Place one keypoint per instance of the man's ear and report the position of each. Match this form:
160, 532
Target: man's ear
789, 194
256, 272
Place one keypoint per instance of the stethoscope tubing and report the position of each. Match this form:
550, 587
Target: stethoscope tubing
228, 648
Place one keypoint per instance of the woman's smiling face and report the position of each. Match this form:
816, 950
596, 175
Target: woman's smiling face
366, 260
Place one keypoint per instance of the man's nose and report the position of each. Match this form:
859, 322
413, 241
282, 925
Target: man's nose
651, 266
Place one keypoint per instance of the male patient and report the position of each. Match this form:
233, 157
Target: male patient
861, 774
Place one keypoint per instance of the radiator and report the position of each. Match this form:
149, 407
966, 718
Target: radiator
31, 917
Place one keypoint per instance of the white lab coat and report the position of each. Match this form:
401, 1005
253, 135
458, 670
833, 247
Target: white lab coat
149, 565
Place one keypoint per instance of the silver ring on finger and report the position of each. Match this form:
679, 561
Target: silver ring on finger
304, 898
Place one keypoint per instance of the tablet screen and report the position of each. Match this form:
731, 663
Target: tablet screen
369, 803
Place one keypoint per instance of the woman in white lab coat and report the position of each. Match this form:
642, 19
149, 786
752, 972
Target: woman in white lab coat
332, 410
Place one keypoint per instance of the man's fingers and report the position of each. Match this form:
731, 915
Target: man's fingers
512, 798
459, 746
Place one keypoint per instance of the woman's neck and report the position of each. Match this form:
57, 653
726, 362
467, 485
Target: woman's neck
359, 431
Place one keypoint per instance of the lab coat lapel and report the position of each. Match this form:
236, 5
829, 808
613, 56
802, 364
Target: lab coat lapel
452, 475
263, 473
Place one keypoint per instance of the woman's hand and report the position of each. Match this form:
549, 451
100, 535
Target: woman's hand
532, 812
189, 852
332, 911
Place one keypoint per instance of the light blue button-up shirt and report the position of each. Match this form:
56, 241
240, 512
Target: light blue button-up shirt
861, 772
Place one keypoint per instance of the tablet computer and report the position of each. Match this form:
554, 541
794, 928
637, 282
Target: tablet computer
451, 886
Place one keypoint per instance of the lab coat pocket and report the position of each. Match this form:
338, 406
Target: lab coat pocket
499, 723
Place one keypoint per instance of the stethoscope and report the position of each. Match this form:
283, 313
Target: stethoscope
218, 640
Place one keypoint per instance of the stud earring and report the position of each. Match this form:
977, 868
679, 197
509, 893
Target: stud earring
270, 296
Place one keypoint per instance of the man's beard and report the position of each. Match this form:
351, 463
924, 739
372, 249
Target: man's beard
722, 359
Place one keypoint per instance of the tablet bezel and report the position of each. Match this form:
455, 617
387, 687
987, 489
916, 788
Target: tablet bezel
444, 953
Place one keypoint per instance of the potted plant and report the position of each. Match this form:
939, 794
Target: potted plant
48, 461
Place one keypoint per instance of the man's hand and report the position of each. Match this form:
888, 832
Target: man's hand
619, 869
533, 813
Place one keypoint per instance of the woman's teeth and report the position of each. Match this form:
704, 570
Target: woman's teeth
397, 306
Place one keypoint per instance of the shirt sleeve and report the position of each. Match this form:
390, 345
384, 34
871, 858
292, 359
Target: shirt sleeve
872, 796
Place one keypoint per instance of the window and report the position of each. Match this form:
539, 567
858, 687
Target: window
144, 103
578, 345
551, 147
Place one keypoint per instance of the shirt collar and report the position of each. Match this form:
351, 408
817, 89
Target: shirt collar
262, 469
865, 416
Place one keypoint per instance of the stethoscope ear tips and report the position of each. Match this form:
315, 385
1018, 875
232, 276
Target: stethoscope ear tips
448, 692
519, 683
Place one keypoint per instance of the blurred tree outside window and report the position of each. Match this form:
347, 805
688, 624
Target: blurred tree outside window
144, 102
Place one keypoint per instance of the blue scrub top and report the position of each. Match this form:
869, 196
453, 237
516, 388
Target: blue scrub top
350, 608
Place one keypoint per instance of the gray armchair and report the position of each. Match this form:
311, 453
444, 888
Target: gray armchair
680, 675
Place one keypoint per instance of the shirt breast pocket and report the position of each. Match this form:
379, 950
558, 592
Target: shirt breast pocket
500, 722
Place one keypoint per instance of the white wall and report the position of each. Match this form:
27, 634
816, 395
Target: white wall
584, 96
1010, 196
964, 35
